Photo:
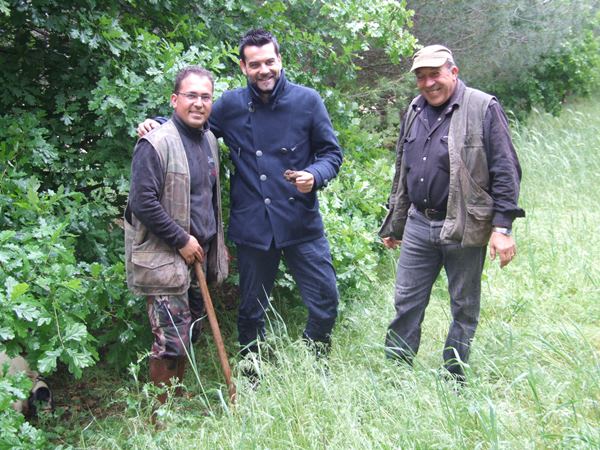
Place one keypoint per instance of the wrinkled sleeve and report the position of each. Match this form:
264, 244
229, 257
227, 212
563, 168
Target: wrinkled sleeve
324, 145
147, 180
503, 165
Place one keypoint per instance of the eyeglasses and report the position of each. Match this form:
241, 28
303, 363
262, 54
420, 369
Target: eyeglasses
193, 97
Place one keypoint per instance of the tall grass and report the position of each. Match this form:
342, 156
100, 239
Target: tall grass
534, 374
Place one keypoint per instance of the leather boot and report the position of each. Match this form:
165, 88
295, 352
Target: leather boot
179, 390
161, 372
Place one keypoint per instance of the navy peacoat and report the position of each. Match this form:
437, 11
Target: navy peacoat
291, 131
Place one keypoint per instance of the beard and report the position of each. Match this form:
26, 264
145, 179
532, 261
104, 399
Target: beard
256, 83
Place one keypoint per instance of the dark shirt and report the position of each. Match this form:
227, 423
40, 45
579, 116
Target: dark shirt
428, 164
147, 182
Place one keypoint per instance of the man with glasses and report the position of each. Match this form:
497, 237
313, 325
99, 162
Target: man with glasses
173, 220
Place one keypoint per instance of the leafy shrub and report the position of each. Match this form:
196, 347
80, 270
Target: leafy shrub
573, 69
16, 432
51, 301
78, 76
60, 266
353, 208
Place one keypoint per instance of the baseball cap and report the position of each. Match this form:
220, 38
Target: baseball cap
431, 56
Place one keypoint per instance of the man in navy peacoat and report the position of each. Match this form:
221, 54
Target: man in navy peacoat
283, 149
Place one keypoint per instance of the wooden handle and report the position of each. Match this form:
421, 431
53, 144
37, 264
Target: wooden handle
216, 331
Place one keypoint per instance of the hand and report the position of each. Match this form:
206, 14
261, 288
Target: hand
390, 242
303, 180
146, 126
504, 246
192, 251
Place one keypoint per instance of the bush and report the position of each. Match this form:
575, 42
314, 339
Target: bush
78, 76
16, 432
573, 69
57, 307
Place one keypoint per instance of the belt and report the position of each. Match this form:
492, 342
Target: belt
432, 214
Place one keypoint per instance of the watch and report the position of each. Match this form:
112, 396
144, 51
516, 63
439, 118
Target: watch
502, 230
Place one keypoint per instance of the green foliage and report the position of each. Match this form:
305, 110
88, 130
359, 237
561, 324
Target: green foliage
353, 208
51, 300
382, 103
16, 432
573, 69
60, 269
77, 77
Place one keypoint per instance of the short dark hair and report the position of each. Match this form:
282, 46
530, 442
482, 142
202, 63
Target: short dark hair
257, 38
186, 71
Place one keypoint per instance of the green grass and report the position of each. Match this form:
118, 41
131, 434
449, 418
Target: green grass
534, 371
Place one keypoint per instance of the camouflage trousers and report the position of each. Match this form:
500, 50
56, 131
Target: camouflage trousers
171, 318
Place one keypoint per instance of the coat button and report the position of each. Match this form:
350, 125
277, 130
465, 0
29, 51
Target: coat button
291, 199
263, 177
284, 150
267, 201
258, 153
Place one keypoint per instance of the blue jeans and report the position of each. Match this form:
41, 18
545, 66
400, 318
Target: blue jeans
421, 258
312, 269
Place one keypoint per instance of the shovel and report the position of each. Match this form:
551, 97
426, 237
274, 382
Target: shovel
214, 326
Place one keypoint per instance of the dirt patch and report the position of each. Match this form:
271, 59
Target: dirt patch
92, 396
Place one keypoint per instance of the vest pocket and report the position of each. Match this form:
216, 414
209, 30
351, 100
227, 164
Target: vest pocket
478, 225
479, 207
158, 269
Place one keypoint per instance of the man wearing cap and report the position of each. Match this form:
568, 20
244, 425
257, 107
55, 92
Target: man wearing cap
454, 192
